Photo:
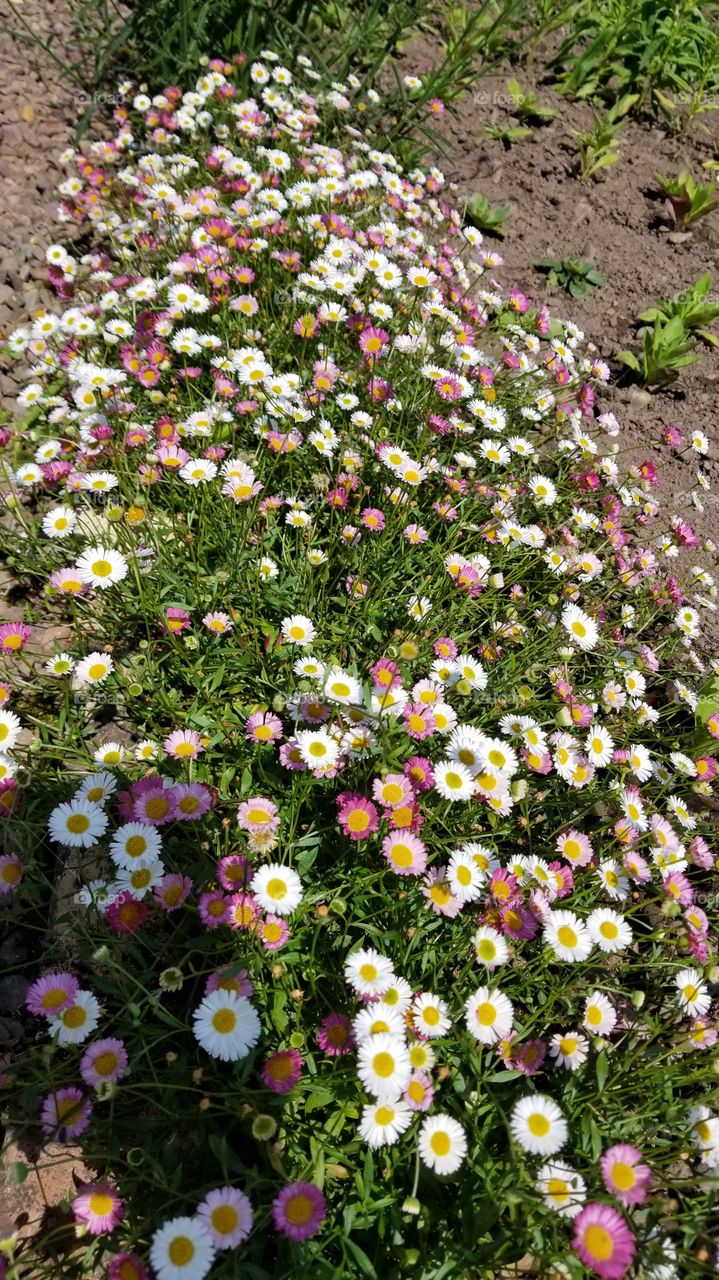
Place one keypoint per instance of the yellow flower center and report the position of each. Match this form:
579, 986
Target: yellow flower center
181, 1251
224, 1021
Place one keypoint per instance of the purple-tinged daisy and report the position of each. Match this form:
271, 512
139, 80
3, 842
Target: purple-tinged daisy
624, 1174
282, 1070
65, 1114
226, 1213
52, 994
603, 1241
299, 1210
99, 1208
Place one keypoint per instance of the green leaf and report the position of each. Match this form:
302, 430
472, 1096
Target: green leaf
365, 1264
627, 358
18, 1172
602, 1069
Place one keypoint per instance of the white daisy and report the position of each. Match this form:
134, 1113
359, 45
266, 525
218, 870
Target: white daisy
77, 823
226, 1025
453, 781
609, 930
693, 993
182, 1250
298, 630
581, 628
430, 1015
101, 567
490, 947
538, 1125
277, 888
75, 1024
567, 936
370, 973
489, 1015
563, 1189
383, 1066
442, 1143
382, 1123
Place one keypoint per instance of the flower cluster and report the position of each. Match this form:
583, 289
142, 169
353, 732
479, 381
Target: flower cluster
378, 737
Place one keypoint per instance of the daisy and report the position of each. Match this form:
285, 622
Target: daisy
442, 1144
569, 1049
599, 1015
382, 1123
317, 748
383, 1066
277, 888
182, 1250
465, 877
343, 688
135, 843
430, 1016
453, 781
376, 1020
9, 729
50, 995
599, 746
563, 1189
489, 1016
580, 627
609, 930
93, 669
298, 630
77, 823
184, 744
103, 1062
77, 1022
624, 1175
538, 1125
98, 787
299, 1210
369, 972
282, 1070
226, 1214
603, 1241
226, 1025
65, 1114
98, 1208
405, 853
694, 996
568, 937
490, 947
101, 567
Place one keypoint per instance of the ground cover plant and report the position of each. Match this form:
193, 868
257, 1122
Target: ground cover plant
392, 816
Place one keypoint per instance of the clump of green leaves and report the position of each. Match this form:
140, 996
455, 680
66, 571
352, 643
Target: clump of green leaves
571, 274
485, 216
693, 307
649, 49
508, 134
666, 350
527, 105
600, 148
687, 200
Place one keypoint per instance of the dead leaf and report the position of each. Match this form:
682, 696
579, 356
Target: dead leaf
28, 113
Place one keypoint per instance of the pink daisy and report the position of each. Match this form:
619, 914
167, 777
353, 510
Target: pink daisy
258, 814
155, 804
273, 932
385, 674
52, 994
192, 800
373, 519
299, 1210
213, 908
220, 623
103, 1062
184, 744
624, 1174
172, 891
603, 1241
65, 1114
263, 727
126, 913
414, 533
243, 909
176, 620
445, 648
335, 1036
420, 773
282, 1070
357, 816
14, 636
127, 1266
228, 981
11, 872
99, 1208
419, 1092
405, 853
419, 721
234, 871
